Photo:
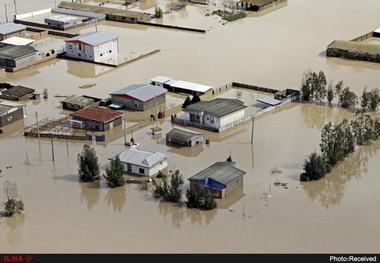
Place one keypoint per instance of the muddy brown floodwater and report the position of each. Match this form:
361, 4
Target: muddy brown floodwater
336, 214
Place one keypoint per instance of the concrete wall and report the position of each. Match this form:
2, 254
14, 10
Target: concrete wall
233, 186
13, 63
231, 118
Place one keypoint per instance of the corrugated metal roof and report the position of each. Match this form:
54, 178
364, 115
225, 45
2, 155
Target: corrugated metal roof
181, 134
78, 13
142, 158
14, 52
93, 38
4, 110
222, 172
160, 79
190, 86
79, 100
18, 91
9, 28
97, 114
269, 101
217, 107
17, 41
142, 92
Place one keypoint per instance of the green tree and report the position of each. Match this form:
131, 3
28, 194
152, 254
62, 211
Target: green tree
88, 164
349, 139
195, 99
338, 89
186, 103
166, 192
199, 197
316, 168
12, 205
330, 93
306, 86
114, 174
348, 98
158, 13
364, 99
319, 86
332, 143
374, 99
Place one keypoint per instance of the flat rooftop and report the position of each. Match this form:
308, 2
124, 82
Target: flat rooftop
190, 86
17, 41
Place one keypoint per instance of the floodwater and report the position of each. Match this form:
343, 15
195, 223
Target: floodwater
336, 214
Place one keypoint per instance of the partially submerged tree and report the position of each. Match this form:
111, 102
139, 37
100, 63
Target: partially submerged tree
195, 99
12, 205
186, 103
348, 98
166, 192
316, 167
88, 164
114, 174
199, 197
330, 93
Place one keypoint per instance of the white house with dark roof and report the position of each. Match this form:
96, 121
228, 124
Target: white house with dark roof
215, 113
92, 46
141, 162
139, 97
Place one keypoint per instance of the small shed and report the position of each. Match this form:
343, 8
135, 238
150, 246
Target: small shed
184, 137
11, 29
96, 118
17, 93
10, 114
75, 103
17, 41
220, 179
269, 101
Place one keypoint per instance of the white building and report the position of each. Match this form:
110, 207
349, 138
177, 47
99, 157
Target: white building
143, 162
215, 113
92, 46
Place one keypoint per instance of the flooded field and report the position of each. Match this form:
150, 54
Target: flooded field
336, 214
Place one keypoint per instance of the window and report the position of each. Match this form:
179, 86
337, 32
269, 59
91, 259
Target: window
79, 54
110, 51
211, 119
141, 171
129, 167
80, 47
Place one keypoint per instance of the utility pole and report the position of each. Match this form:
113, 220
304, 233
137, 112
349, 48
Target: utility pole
38, 126
52, 147
253, 125
67, 148
6, 13
15, 7
125, 136
96, 24
155, 99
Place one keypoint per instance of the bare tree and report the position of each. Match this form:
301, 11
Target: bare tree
10, 190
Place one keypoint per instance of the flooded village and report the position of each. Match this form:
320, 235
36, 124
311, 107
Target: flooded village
111, 75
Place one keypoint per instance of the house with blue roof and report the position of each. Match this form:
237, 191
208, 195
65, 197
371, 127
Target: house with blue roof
220, 179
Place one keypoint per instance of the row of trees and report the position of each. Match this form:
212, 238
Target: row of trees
197, 196
189, 101
314, 88
337, 141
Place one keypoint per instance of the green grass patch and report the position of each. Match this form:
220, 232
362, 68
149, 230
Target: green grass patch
228, 16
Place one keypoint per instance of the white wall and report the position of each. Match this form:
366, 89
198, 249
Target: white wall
148, 172
231, 118
92, 53
106, 50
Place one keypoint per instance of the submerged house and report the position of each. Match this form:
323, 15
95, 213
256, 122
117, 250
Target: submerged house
10, 114
17, 93
139, 97
96, 118
75, 103
92, 46
214, 114
141, 162
12, 56
220, 179
184, 137
11, 29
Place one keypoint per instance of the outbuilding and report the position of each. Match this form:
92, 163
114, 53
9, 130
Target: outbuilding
10, 114
184, 137
15, 56
75, 103
11, 29
220, 179
96, 118
17, 93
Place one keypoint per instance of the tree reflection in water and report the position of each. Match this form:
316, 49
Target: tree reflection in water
179, 214
329, 190
90, 193
14, 224
116, 197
